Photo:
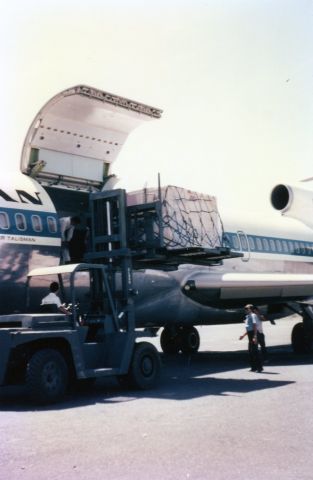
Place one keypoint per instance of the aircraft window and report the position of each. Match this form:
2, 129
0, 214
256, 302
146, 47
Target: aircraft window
226, 241
259, 244
310, 249
36, 223
265, 244
297, 247
272, 245
243, 241
52, 224
235, 242
285, 246
291, 247
302, 248
4, 221
20, 221
251, 243
278, 245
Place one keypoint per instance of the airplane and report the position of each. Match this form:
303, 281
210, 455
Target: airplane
68, 153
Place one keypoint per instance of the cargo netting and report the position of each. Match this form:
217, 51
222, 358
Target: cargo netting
189, 219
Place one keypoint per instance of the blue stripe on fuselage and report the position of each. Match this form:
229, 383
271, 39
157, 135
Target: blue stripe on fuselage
47, 218
269, 245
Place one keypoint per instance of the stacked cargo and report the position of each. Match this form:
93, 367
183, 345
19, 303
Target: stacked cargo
189, 219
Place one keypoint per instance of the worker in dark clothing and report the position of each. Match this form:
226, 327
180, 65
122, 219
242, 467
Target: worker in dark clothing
77, 245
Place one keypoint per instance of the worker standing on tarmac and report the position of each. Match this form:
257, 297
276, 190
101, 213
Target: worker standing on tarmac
251, 323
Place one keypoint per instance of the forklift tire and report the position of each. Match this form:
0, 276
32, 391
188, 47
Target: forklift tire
145, 366
46, 376
190, 340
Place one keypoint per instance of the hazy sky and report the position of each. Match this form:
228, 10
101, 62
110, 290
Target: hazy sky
234, 78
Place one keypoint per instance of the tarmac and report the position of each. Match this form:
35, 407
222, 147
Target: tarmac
210, 417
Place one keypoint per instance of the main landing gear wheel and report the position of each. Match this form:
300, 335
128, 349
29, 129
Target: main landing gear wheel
301, 341
46, 376
170, 340
185, 339
190, 340
144, 371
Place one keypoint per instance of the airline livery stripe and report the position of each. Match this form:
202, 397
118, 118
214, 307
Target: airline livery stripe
30, 223
240, 241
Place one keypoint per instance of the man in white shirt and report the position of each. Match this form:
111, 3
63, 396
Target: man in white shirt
251, 324
53, 299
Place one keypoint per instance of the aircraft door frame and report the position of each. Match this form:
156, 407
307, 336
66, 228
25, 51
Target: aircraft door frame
241, 235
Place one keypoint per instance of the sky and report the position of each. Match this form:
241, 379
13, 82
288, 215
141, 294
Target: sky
233, 78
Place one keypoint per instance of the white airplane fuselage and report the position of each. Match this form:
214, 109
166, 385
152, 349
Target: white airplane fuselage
191, 295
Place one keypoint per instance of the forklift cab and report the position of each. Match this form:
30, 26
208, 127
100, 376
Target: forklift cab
86, 290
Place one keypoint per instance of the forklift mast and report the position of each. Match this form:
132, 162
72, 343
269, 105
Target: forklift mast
108, 243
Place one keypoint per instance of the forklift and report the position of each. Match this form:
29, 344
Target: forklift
98, 337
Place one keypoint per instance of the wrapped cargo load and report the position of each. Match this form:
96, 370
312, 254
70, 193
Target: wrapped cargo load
189, 219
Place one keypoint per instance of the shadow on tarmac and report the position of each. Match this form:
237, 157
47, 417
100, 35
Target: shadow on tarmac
182, 378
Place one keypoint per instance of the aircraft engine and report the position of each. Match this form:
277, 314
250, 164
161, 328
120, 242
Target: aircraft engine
294, 202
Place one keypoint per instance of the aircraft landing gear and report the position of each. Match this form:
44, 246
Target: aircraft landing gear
301, 339
176, 339
302, 333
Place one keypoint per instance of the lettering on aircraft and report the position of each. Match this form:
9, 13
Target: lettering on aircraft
14, 238
23, 196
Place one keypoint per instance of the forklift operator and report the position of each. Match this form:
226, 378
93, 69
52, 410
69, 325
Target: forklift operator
52, 299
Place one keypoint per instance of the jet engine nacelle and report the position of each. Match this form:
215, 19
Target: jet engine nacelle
294, 202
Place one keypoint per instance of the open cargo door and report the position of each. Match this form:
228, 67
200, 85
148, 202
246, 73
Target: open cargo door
78, 134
